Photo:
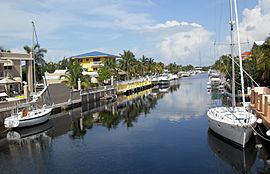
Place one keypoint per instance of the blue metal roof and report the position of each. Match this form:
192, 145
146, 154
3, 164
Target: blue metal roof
94, 54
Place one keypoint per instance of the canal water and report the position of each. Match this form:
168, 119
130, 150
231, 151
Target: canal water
155, 131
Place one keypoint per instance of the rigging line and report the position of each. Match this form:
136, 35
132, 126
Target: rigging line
42, 64
266, 139
248, 74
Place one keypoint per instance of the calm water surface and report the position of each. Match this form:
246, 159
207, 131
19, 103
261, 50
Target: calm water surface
148, 132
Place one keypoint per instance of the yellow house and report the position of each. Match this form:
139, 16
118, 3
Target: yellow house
91, 61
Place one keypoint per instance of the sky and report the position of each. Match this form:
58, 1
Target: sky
169, 31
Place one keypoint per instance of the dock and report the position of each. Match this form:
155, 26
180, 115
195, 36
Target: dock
260, 98
131, 86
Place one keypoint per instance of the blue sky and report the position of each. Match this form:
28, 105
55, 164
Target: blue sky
166, 30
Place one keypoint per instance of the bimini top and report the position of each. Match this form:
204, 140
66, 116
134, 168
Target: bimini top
94, 54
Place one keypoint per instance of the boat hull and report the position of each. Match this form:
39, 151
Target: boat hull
239, 134
36, 118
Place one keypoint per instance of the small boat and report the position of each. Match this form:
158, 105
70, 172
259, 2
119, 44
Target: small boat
29, 114
26, 116
163, 80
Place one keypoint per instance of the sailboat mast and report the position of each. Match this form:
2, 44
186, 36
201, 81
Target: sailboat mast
33, 53
231, 45
239, 53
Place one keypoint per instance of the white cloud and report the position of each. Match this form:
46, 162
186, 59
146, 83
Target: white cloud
172, 23
180, 41
256, 22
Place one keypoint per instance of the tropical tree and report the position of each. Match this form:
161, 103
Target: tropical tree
62, 64
39, 54
113, 66
144, 62
50, 67
126, 62
2, 49
73, 73
104, 73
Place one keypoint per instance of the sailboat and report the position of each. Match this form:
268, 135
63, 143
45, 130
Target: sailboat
234, 123
29, 113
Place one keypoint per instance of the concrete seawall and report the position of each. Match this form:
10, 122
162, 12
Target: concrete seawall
62, 97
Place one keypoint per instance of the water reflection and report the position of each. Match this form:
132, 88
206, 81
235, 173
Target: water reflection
185, 104
263, 148
125, 110
240, 160
25, 149
29, 133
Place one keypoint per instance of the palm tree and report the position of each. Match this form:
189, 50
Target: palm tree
126, 63
39, 54
144, 60
73, 73
2, 49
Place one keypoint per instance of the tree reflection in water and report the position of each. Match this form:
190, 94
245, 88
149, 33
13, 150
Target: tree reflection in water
126, 110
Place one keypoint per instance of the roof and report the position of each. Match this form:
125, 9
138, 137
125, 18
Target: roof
259, 43
94, 54
245, 55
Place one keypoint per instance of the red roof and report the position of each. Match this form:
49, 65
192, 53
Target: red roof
245, 55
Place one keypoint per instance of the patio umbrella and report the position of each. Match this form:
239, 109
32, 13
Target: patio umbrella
7, 81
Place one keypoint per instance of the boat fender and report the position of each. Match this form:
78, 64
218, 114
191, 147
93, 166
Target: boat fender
268, 133
259, 121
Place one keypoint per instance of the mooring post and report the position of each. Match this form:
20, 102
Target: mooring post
260, 104
265, 105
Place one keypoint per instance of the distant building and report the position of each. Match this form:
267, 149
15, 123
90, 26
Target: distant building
53, 78
91, 61
245, 55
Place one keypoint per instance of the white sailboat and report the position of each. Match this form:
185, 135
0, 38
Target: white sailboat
29, 114
233, 123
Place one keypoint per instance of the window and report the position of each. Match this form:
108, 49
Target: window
7, 67
96, 59
95, 69
87, 60
80, 60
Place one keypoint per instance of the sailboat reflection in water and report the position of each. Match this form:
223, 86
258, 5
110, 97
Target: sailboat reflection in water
238, 158
30, 133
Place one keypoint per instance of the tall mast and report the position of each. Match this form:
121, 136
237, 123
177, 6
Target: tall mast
231, 45
33, 53
239, 53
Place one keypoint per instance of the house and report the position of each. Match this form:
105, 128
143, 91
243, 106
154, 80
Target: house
54, 78
245, 55
91, 61
11, 71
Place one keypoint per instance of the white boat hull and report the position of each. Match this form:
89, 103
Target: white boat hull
238, 132
34, 118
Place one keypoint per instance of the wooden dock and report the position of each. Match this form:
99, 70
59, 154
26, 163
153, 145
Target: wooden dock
260, 98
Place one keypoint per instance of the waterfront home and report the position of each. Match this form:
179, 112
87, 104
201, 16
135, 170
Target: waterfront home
11, 71
91, 61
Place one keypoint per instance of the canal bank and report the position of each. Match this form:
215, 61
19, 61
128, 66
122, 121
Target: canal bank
64, 98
